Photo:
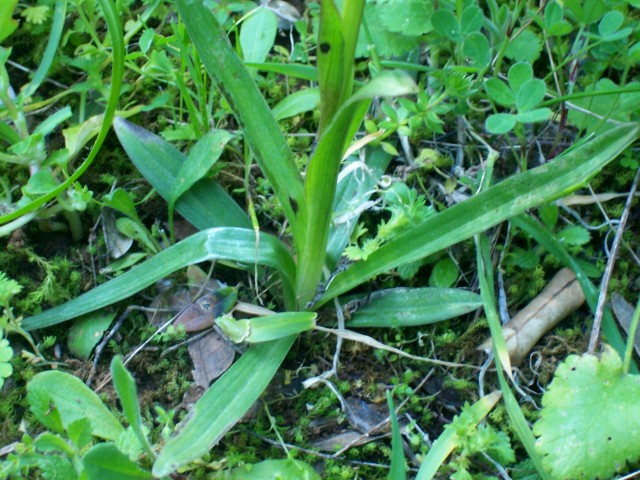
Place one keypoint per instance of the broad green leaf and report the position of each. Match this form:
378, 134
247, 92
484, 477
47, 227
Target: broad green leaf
332, 75
254, 116
574, 235
587, 11
274, 469
87, 332
518, 75
533, 116
588, 426
445, 24
500, 123
226, 401
72, 400
105, 462
405, 307
298, 102
49, 124
234, 244
257, 34
201, 158
160, 162
499, 92
449, 440
530, 94
496, 204
126, 388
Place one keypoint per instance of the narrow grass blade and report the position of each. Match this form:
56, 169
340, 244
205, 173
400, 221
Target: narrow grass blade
398, 463
498, 203
405, 307
160, 163
233, 244
256, 121
449, 439
485, 277
222, 405
112, 18
549, 241
295, 70
516, 416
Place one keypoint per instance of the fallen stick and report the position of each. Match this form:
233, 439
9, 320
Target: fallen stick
561, 297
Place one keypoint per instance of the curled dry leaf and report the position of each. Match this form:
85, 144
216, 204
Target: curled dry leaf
211, 355
562, 296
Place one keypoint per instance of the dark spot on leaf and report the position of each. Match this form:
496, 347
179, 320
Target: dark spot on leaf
573, 369
294, 205
325, 47
609, 438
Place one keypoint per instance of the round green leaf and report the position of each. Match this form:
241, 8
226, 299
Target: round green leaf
446, 25
519, 73
536, 115
476, 46
444, 274
472, 19
526, 47
589, 426
610, 23
499, 92
530, 94
500, 123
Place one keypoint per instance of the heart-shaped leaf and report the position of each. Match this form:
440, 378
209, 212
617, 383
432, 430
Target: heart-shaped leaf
589, 427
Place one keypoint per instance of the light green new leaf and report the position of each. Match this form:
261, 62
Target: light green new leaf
496, 204
201, 158
297, 103
222, 405
500, 123
286, 468
72, 400
531, 93
105, 462
234, 244
160, 163
518, 74
404, 307
257, 35
127, 393
499, 92
449, 440
267, 328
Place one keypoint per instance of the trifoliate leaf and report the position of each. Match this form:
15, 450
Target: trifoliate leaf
589, 427
388, 44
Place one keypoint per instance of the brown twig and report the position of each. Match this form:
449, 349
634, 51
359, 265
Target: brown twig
597, 318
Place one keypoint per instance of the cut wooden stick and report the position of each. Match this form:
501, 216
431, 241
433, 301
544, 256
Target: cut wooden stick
560, 297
